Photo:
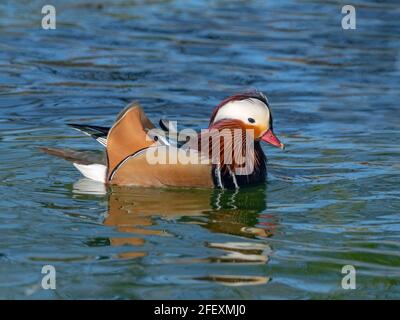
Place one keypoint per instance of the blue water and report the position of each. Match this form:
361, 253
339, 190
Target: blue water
332, 199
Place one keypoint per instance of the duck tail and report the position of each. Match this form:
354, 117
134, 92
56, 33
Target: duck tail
69, 155
83, 161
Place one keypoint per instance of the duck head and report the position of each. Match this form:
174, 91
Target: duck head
252, 111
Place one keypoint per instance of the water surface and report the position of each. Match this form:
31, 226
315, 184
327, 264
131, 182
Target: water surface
332, 198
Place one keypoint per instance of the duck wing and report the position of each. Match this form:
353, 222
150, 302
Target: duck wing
131, 150
127, 136
100, 133
97, 132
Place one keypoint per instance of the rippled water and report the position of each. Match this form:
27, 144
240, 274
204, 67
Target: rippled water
331, 199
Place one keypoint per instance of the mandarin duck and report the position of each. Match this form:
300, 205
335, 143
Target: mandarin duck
138, 154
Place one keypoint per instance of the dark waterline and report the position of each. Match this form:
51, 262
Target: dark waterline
331, 199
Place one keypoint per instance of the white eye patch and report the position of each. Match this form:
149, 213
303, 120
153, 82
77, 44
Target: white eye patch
244, 110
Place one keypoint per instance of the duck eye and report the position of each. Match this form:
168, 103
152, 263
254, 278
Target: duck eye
251, 120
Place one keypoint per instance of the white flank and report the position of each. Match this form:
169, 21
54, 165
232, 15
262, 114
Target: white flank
96, 172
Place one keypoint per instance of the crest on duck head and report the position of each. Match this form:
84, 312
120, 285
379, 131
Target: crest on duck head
253, 96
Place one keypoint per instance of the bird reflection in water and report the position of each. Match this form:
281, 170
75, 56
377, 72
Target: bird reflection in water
133, 211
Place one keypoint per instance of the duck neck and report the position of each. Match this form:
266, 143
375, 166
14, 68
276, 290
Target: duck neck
227, 176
